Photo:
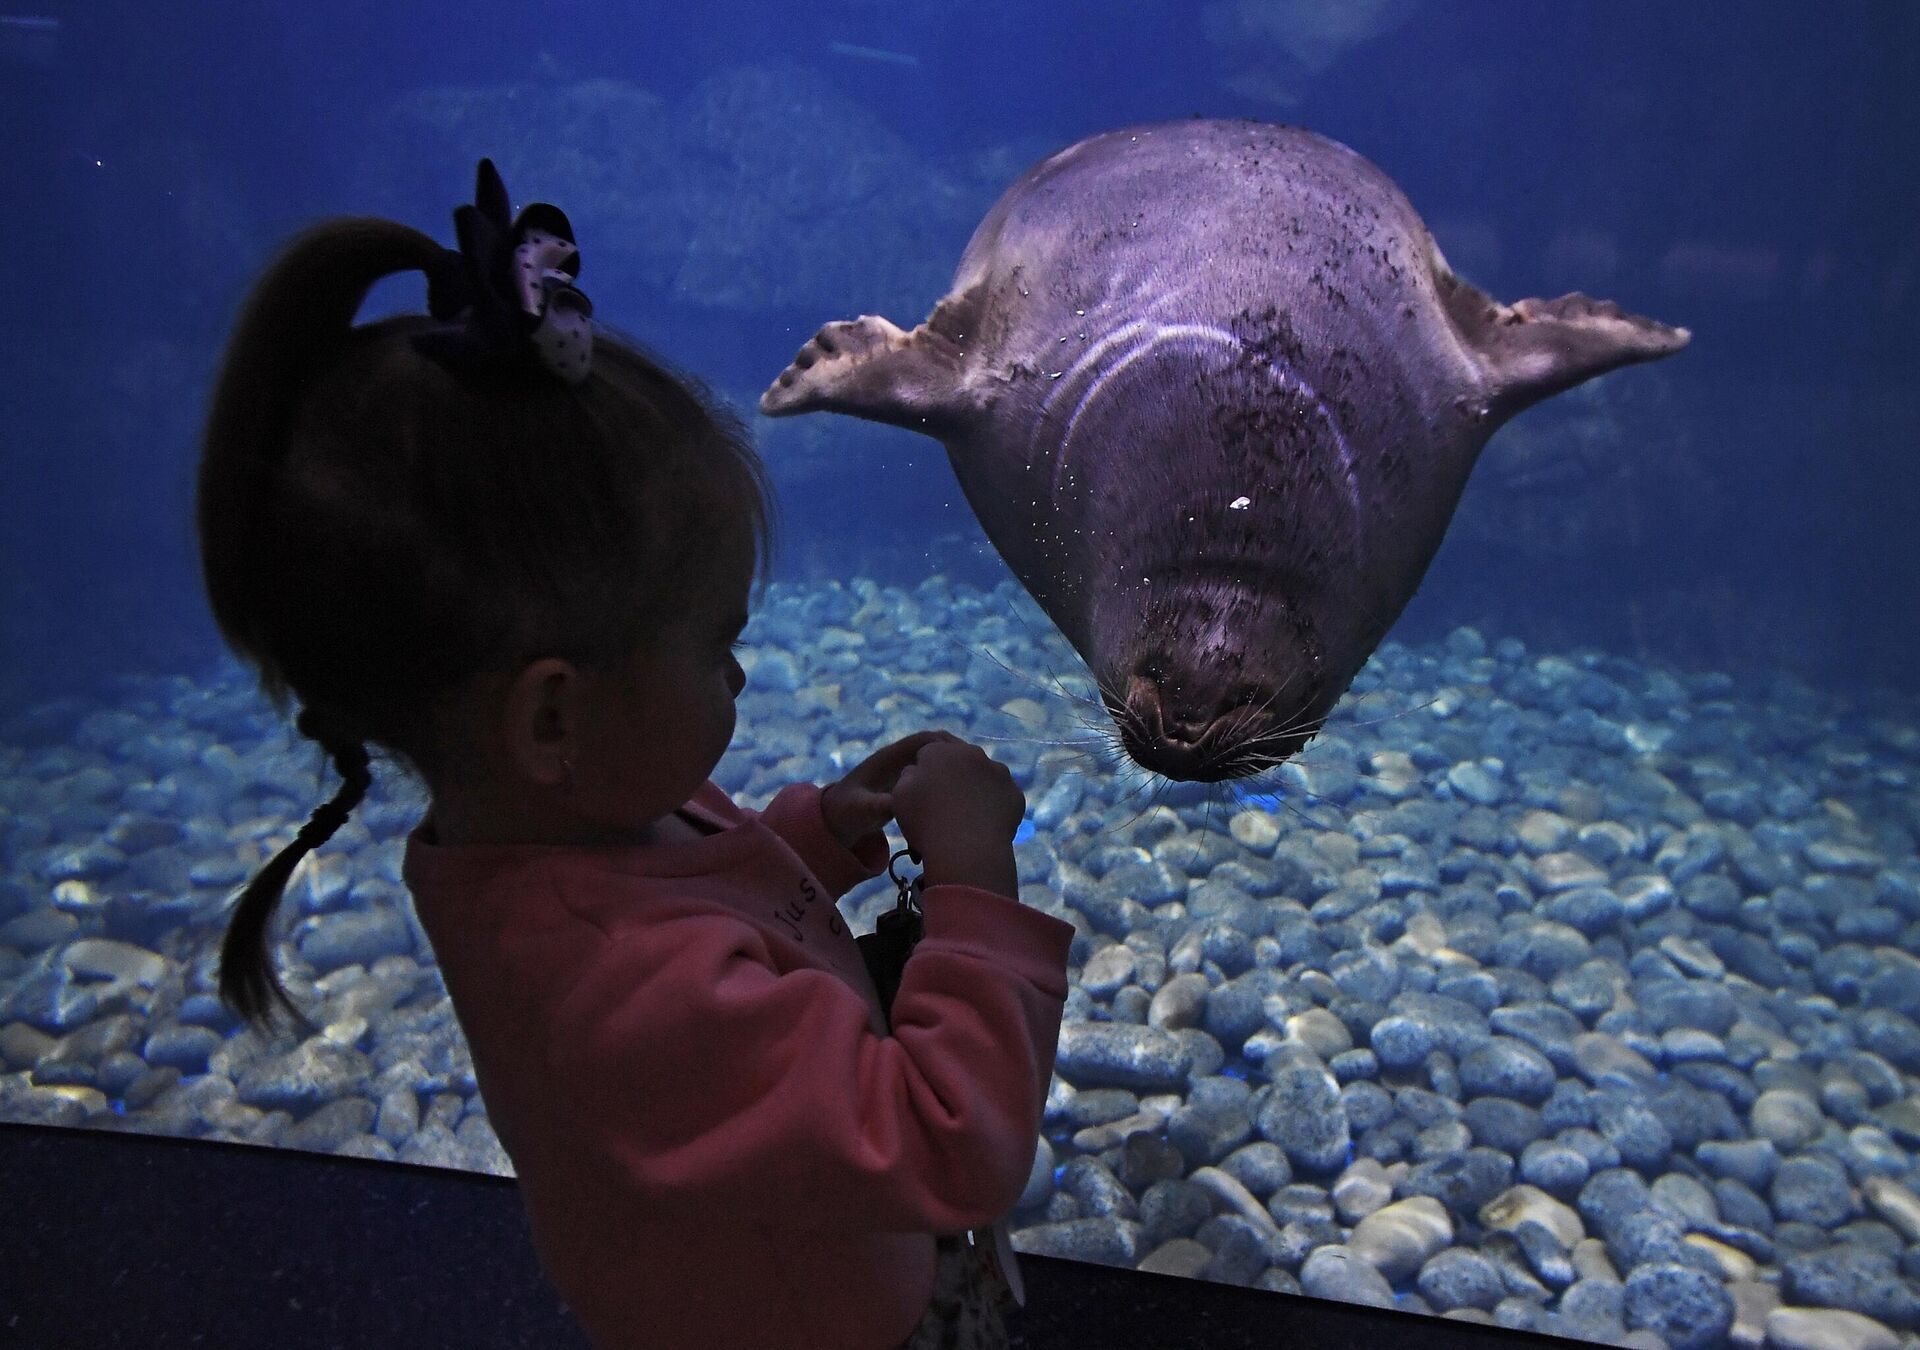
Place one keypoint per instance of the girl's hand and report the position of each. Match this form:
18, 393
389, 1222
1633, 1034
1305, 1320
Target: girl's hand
862, 802
959, 811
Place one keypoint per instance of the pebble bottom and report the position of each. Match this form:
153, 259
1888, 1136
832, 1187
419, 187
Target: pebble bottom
1547, 989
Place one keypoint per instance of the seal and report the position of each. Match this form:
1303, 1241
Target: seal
1213, 394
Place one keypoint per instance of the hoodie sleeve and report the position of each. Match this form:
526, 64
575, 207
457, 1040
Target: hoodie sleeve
709, 1078
794, 815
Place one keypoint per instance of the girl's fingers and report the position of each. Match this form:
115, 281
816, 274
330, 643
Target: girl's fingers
883, 766
852, 811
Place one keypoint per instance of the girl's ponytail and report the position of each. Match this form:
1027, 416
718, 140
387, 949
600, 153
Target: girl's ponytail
299, 314
248, 982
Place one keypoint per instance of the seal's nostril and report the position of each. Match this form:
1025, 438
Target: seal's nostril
1143, 699
1185, 733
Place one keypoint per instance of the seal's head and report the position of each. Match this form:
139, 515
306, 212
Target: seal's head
1211, 671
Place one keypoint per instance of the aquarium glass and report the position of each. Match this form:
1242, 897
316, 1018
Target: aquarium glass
1568, 979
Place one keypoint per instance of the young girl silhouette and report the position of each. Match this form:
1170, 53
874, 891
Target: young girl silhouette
516, 554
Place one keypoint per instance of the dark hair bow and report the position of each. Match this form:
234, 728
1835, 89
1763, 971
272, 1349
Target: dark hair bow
508, 295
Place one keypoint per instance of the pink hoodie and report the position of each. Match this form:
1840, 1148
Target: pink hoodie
681, 1051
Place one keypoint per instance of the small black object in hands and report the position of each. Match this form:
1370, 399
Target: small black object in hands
886, 948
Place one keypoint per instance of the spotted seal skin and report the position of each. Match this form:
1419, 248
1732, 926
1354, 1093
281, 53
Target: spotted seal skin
1213, 393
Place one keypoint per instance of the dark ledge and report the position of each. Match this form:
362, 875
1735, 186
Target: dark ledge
130, 1240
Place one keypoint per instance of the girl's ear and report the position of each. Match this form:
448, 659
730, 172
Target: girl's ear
542, 720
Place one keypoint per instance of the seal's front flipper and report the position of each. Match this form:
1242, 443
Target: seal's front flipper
1533, 349
870, 368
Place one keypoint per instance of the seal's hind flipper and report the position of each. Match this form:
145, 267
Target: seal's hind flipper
871, 368
1533, 349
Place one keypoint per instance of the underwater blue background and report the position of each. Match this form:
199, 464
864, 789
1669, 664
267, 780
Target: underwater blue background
1577, 959
1747, 170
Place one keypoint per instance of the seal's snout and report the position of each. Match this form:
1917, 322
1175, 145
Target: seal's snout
1180, 730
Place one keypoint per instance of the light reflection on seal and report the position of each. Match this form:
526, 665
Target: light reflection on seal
1213, 394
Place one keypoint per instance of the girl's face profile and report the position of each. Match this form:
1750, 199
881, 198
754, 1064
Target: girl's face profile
670, 716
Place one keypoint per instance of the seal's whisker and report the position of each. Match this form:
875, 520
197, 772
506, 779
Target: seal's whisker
1122, 719
1246, 790
1053, 685
1102, 726
1238, 719
1312, 726
1029, 735
1278, 736
1247, 714
1262, 764
1243, 754
1051, 646
1299, 814
1251, 711
1076, 743
1140, 779
1107, 743
1351, 701
1215, 797
1392, 716
1154, 791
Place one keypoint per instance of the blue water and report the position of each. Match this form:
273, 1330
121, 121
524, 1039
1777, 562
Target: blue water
1699, 572
1748, 172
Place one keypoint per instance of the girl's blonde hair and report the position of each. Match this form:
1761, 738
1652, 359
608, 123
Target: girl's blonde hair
375, 529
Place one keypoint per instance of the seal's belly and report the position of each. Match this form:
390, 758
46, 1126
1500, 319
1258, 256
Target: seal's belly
1177, 446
